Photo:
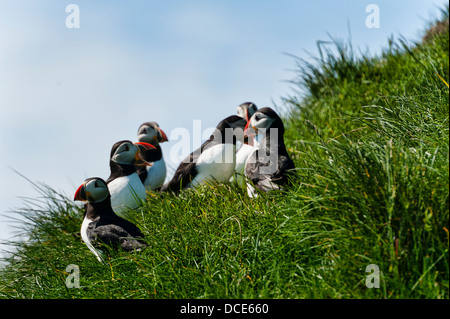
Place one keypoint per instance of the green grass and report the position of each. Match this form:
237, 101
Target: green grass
370, 141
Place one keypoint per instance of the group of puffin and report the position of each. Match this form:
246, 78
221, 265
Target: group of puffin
247, 148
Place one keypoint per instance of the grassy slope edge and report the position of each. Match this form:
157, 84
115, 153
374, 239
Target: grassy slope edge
370, 140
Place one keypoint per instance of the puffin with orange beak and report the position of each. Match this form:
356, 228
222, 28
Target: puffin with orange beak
126, 188
269, 165
153, 175
246, 111
101, 225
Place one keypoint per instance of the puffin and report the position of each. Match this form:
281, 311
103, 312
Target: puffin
269, 165
153, 175
124, 184
214, 160
246, 111
101, 225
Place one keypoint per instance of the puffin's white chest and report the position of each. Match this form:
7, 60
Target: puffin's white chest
241, 158
216, 164
127, 192
156, 174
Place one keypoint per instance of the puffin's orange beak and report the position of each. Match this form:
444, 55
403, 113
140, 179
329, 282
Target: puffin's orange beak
143, 147
163, 136
80, 194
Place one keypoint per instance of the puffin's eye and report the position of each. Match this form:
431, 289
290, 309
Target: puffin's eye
96, 184
257, 117
123, 148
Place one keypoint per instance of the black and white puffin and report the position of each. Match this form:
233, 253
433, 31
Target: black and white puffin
124, 184
215, 160
269, 164
246, 111
153, 175
101, 225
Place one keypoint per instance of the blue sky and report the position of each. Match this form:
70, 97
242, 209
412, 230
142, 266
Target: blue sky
67, 95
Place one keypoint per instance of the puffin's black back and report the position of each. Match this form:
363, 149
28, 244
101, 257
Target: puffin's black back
219, 136
111, 229
104, 211
187, 171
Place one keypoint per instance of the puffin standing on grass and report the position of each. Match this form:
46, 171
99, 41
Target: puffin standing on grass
153, 175
269, 164
215, 160
101, 225
124, 184
246, 111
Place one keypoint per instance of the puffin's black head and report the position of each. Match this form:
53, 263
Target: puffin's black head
246, 110
149, 132
231, 129
264, 118
128, 153
233, 121
93, 190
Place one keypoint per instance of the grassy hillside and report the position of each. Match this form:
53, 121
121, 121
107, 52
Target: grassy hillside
370, 140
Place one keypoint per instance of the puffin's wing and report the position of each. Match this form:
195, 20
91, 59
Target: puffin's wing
187, 170
285, 164
115, 236
184, 174
251, 170
267, 182
130, 244
128, 226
